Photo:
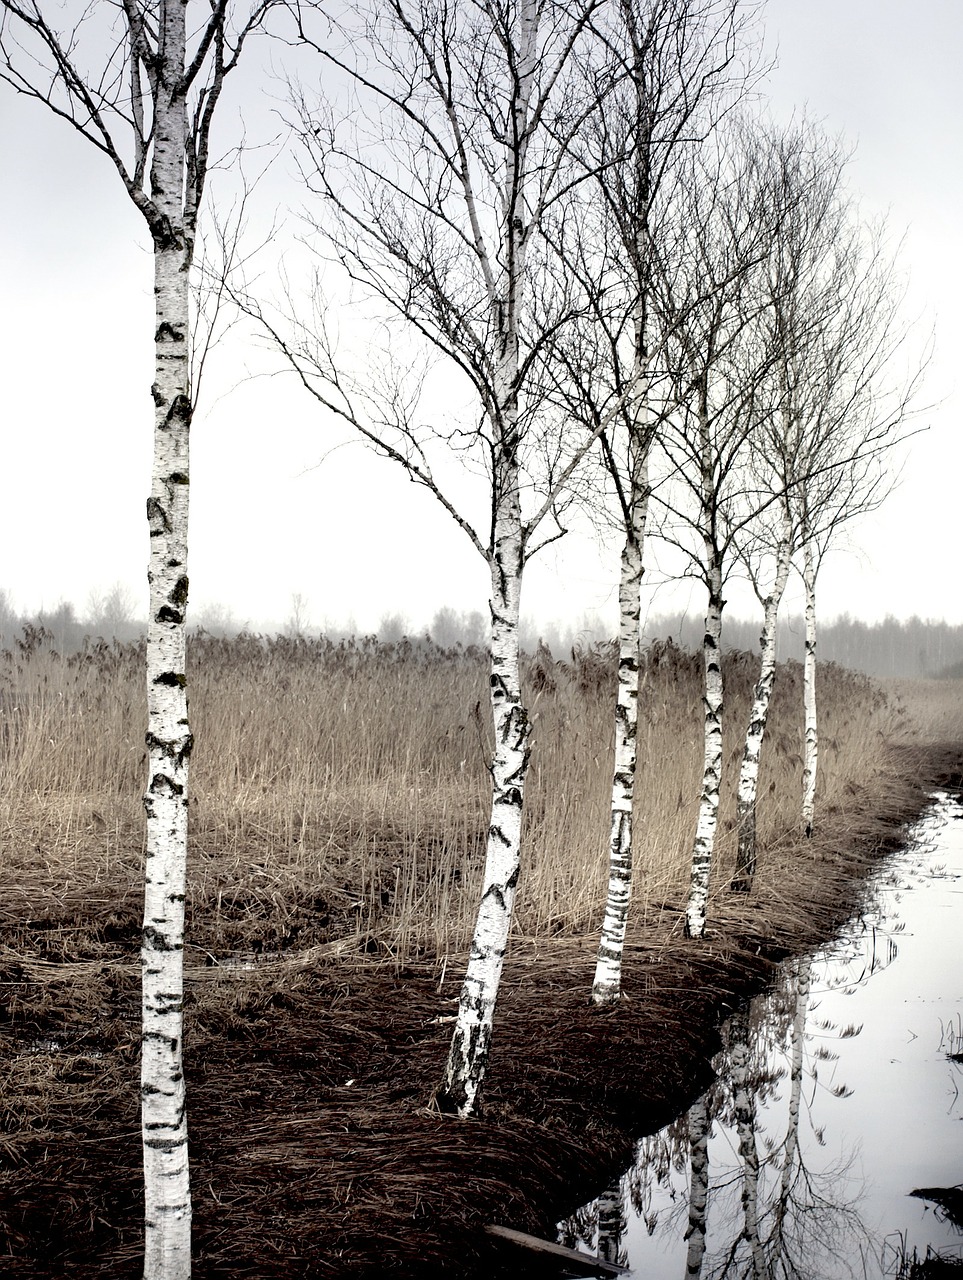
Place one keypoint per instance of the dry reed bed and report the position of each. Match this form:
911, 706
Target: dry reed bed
337, 832
343, 789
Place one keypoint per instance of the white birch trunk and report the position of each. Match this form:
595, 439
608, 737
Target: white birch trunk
607, 986
695, 919
758, 716
164, 1118
699, 1126
468, 1053
809, 694
745, 1117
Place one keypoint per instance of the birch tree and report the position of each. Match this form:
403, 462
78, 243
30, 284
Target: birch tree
853, 397
141, 82
804, 284
681, 63
710, 295
432, 196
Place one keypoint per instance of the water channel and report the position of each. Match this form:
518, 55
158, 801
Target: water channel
839, 1094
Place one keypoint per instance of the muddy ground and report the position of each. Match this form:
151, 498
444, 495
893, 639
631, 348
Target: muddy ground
315, 1150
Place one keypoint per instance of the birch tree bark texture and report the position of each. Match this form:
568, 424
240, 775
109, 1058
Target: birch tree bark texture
164, 1105
758, 717
695, 916
612, 1224
468, 1054
607, 984
811, 723
147, 105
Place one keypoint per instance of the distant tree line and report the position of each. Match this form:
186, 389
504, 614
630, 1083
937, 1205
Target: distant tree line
909, 648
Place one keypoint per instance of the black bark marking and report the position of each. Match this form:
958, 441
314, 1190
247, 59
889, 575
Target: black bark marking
157, 518
156, 941
161, 1038
498, 687
178, 595
170, 749
166, 331
164, 236
170, 1145
502, 587
496, 833
172, 679
161, 785
180, 412
167, 614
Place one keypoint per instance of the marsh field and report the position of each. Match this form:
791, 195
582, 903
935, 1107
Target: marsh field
338, 817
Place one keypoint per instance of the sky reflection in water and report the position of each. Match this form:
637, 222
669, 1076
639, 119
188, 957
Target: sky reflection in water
857, 1041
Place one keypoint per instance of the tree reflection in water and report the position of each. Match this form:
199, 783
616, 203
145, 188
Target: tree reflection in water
744, 1185
758, 1213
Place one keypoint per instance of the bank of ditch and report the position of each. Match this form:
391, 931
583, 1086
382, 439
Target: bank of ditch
323, 961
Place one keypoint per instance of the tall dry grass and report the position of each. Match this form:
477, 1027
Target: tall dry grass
341, 790
932, 710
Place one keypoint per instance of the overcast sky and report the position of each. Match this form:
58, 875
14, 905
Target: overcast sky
349, 534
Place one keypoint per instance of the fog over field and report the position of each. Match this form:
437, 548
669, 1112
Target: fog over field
337, 527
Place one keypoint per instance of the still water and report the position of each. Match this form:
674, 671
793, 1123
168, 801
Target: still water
838, 1094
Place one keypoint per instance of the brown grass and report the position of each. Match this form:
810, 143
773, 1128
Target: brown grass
932, 710
342, 789
338, 819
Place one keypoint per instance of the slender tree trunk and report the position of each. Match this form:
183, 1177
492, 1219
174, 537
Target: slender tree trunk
809, 693
758, 716
745, 1117
468, 1055
164, 1117
607, 986
695, 920
699, 1126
